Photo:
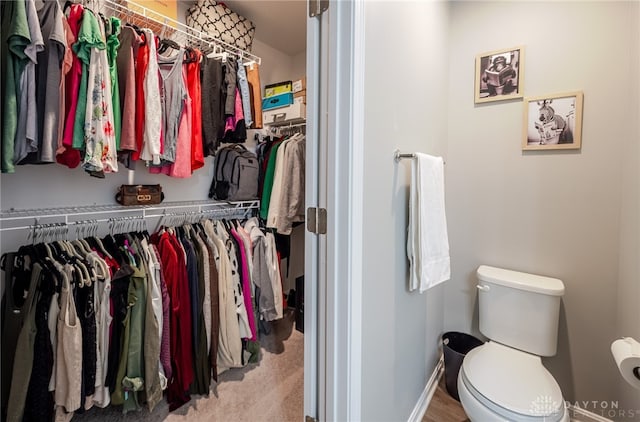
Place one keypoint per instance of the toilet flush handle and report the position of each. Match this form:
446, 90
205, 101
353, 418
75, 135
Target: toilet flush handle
483, 288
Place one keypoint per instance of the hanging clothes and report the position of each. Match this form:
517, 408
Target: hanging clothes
141, 65
89, 39
267, 189
173, 97
26, 140
99, 134
283, 192
195, 93
67, 63
152, 138
245, 94
230, 344
253, 80
129, 41
112, 29
152, 330
14, 312
212, 105
69, 350
15, 38
175, 274
67, 155
49, 76
96, 315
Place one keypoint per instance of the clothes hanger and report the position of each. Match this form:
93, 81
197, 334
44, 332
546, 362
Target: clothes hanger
215, 54
166, 43
190, 55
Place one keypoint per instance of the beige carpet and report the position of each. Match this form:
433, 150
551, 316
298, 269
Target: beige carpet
271, 390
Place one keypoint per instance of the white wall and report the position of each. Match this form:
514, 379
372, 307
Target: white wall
276, 65
405, 97
555, 213
299, 65
628, 323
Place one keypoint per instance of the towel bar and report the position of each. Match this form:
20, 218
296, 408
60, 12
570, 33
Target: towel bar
397, 155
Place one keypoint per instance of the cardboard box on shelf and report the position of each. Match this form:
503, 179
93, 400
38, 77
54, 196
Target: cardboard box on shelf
277, 101
300, 96
283, 114
300, 84
278, 88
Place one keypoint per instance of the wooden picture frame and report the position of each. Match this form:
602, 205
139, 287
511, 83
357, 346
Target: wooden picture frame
499, 75
553, 121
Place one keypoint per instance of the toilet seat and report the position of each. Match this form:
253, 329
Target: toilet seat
512, 383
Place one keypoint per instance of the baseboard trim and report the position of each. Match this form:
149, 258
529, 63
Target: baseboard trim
585, 415
427, 394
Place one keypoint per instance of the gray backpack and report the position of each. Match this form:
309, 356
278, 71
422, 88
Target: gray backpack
235, 176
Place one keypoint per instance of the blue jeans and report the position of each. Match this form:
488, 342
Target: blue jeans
244, 93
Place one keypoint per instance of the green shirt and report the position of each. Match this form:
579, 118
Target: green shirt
113, 30
268, 181
89, 37
15, 37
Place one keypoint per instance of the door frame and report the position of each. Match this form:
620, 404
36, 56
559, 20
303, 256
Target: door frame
335, 177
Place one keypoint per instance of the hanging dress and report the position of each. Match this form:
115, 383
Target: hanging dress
99, 132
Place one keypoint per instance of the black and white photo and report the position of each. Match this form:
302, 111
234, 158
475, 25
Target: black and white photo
499, 75
553, 121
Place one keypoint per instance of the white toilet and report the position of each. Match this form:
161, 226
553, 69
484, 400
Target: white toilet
504, 379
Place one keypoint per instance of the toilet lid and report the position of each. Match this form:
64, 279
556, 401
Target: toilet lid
513, 380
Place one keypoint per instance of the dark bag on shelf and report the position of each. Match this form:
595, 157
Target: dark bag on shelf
235, 176
139, 195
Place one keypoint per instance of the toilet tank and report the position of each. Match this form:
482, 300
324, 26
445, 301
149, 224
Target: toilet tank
520, 310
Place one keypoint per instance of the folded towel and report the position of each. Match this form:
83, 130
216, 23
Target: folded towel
427, 239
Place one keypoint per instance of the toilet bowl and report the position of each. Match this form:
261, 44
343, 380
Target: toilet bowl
504, 379
498, 383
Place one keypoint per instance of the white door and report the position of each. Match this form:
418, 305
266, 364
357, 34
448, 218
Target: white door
315, 243
333, 265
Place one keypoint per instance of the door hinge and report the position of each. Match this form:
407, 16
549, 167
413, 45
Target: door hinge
308, 418
317, 220
317, 7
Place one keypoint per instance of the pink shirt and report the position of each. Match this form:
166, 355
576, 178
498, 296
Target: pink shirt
182, 166
232, 121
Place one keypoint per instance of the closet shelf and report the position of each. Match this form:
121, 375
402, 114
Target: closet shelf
292, 123
71, 214
134, 13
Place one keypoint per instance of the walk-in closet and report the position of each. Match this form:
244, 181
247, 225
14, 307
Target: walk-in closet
152, 225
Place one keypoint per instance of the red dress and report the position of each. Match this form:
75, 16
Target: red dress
71, 157
142, 62
195, 93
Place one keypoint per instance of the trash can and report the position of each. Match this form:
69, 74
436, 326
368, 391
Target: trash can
455, 346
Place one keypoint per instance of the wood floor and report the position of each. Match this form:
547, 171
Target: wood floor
444, 408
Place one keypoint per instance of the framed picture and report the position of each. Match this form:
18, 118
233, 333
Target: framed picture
553, 121
499, 75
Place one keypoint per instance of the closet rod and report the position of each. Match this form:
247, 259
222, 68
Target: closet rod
147, 210
128, 10
187, 216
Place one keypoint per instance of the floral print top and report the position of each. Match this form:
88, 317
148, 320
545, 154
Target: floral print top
99, 131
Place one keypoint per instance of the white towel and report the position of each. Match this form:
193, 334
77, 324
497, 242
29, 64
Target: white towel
427, 239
